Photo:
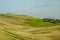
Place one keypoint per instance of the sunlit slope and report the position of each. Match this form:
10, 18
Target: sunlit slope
24, 20
22, 27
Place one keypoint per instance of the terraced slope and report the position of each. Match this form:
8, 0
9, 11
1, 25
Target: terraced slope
22, 27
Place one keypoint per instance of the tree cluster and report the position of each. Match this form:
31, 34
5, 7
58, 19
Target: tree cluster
51, 20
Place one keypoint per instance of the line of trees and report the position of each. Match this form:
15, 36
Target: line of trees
51, 20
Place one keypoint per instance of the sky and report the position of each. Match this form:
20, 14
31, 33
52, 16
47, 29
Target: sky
36, 8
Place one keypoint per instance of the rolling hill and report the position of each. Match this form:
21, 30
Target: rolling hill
23, 27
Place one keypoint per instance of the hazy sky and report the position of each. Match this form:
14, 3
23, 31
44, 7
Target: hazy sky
37, 8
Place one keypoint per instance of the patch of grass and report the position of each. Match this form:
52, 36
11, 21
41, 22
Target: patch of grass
44, 32
57, 28
12, 36
40, 32
2, 24
38, 23
8, 16
54, 37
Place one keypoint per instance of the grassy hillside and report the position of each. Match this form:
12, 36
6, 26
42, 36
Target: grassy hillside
23, 27
24, 20
38, 23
